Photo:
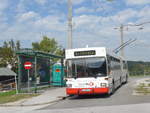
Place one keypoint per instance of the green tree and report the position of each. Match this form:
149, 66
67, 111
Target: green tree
48, 45
18, 45
5, 45
7, 54
12, 45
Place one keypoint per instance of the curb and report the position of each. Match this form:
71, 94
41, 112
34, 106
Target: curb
44, 103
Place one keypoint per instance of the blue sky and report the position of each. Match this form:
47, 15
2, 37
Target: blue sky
93, 23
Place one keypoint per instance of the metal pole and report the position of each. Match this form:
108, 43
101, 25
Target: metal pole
49, 72
69, 24
28, 82
62, 73
16, 84
122, 40
35, 73
19, 73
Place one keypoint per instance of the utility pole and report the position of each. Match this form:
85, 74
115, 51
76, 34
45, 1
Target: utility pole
121, 28
122, 39
69, 46
69, 42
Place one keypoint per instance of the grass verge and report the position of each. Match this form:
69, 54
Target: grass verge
143, 89
11, 96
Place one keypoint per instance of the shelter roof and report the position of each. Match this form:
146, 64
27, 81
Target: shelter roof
7, 72
33, 53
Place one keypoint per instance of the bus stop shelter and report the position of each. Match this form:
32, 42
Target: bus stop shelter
40, 73
7, 79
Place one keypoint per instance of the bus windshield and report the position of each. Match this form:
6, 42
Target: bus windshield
87, 67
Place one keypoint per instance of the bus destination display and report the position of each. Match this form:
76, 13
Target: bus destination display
84, 53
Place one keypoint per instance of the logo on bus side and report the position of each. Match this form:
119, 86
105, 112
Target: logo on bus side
90, 84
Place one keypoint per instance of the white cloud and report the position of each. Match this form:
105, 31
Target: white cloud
41, 2
142, 43
85, 20
92, 29
78, 1
95, 22
145, 11
124, 15
74, 2
30, 27
21, 6
84, 10
97, 30
137, 2
102, 6
27, 16
3, 4
51, 23
144, 15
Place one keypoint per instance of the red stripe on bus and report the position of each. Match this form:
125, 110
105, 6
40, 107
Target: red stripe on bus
72, 91
84, 91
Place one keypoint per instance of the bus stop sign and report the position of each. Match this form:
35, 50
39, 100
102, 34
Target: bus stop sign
27, 65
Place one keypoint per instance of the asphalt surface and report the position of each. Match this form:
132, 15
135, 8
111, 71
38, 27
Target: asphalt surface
122, 96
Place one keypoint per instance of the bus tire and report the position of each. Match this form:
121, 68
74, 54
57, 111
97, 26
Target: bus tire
120, 82
113, 88
126, 79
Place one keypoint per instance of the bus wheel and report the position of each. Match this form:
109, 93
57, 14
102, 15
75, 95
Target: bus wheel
126, 79
113, 88
120, 81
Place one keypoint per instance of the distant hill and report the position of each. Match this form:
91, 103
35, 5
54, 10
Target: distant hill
139, 68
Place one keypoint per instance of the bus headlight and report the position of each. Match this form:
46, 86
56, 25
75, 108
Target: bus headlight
69, 85
103, 85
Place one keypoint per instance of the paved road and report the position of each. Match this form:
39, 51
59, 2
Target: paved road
121, 102
123, 96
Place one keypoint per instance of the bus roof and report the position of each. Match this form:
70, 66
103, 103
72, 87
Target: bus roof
89, 52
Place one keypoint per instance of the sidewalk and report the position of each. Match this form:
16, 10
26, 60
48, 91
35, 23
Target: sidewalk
49, 96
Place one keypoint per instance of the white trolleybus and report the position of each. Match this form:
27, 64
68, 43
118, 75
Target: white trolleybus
94, 71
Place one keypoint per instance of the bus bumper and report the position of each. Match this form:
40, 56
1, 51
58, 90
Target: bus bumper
86, 91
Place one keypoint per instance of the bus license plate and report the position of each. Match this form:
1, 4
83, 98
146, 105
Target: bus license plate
86, 89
